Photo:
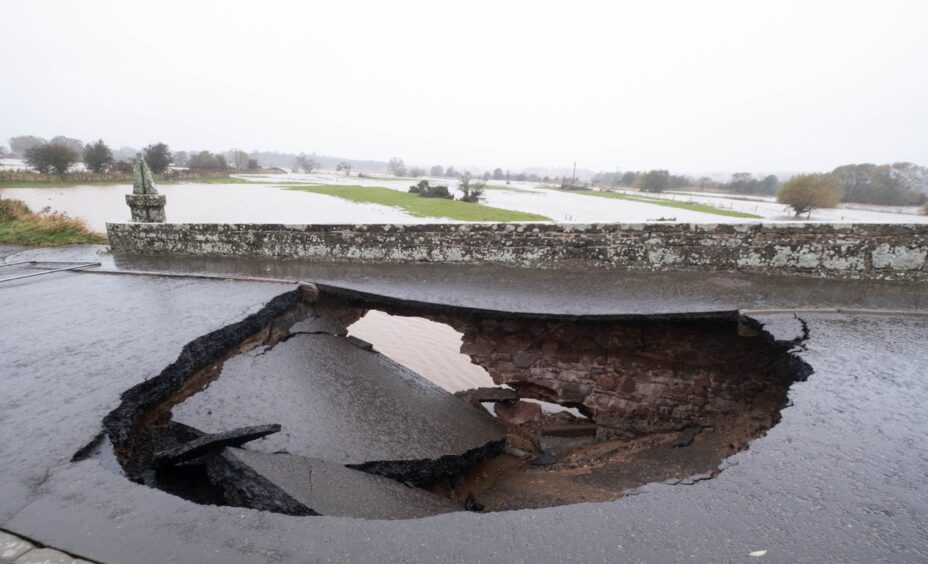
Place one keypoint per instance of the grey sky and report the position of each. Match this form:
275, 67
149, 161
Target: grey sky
689, 86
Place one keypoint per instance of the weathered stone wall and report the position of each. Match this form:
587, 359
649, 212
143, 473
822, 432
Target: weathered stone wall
877, 251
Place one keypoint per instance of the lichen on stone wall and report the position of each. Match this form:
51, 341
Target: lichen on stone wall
839, 251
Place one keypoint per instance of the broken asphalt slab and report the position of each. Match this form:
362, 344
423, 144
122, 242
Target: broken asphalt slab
340, 403
319, 323
327, 488
214, 443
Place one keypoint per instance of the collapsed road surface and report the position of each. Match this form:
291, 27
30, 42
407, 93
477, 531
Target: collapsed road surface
840, 478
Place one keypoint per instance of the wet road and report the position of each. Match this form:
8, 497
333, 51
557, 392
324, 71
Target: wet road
842, 478
540, 291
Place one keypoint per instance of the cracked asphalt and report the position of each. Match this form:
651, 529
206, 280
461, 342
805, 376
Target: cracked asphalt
842, 477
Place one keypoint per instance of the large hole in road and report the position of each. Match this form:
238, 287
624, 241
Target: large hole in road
354, 405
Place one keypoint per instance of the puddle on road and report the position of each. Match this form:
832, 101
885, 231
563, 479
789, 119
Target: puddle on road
579, 409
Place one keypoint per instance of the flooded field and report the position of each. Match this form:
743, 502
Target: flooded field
267, 200
226, 203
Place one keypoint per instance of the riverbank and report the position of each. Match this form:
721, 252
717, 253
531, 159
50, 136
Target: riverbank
21, 226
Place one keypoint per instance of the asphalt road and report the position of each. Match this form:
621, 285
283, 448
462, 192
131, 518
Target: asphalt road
842, 478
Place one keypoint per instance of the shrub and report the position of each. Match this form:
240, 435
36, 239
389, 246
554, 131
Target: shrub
426, 191
158, 157
11, 210
98, 157
805, 192
51, 157
19, 226
473, 191
204, 160
438, 192
653, 181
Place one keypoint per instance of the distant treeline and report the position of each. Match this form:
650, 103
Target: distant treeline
59, 156
114, 176
903, 184
897, 184
661, 180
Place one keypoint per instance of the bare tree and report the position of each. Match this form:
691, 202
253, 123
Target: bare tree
397, 167
305, 163
345, 167
239, 159
473, 191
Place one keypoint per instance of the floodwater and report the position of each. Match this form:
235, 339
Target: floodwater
428, 348
431, 350
208, 203
265, 200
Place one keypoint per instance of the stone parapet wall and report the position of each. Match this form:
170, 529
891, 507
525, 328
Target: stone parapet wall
874, 251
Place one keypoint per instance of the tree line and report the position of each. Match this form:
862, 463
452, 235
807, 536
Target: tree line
899, 184
397, 167
60, 154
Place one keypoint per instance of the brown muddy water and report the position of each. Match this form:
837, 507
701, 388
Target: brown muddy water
429, 348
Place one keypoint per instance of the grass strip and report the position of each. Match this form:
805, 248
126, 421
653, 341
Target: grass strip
702, 208
418, 206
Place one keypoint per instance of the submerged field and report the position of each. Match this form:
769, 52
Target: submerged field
702, 208
418, 206
308, 198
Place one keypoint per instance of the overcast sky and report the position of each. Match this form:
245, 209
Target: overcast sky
692, 86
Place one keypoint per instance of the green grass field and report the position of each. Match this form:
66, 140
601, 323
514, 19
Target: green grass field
418, 206
704, 208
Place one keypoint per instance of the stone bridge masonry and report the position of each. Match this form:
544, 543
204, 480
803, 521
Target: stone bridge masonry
867, 251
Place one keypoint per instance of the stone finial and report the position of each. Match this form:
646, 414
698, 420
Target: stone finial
146, 204
144, 182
